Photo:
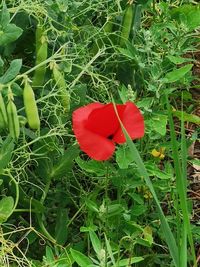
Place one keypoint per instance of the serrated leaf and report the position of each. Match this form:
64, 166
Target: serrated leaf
6, 206
159, 123
177, 74
12, 71
123, 157
80, 258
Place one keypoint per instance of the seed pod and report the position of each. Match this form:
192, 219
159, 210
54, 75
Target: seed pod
41, 55
38, 37
3, 114
126, 24
31, 107
61, 84
13, 120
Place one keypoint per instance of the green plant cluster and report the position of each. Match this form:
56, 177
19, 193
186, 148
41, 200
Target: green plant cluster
59, 208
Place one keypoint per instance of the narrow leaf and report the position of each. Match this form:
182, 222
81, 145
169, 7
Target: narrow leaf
177, 74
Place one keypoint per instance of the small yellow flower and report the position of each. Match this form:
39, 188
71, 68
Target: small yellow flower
147, 195
158, 153
155, 153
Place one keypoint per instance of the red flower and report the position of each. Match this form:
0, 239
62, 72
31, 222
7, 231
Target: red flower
97, 127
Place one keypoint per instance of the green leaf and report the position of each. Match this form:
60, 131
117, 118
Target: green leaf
96, 243
114, 209
92, 166
80, 258
4, 17
61, 230
169, 237
178, 60
126, 53
137, 198
123, 157
177, 74
12, 71
49, 255
127, 262
109, 250
9, 34
189, 15
6, 206
153, 170
147, 232
92, 205
6, 152
65, 162
187, 117
158, 123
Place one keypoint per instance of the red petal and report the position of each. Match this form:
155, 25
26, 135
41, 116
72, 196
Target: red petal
133, 122
103, 121
96, 146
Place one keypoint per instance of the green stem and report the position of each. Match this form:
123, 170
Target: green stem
39, 216
17, 192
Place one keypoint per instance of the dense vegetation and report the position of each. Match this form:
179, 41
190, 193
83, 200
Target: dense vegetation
59, 207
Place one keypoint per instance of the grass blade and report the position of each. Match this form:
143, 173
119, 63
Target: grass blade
169, 237
181, 178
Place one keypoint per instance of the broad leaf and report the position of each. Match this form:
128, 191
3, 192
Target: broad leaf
189, 15
6, 206
9, 34
12, 71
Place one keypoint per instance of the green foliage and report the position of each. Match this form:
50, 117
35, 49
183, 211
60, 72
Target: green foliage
6, 207
12, 71
59, 208
8, 32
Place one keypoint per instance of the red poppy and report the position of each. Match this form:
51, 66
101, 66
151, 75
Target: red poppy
97, 127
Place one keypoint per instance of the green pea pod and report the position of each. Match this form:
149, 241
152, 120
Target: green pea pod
41, 56
38, 37
31, 107
61, 84
13, 120
3, 114
126, 24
